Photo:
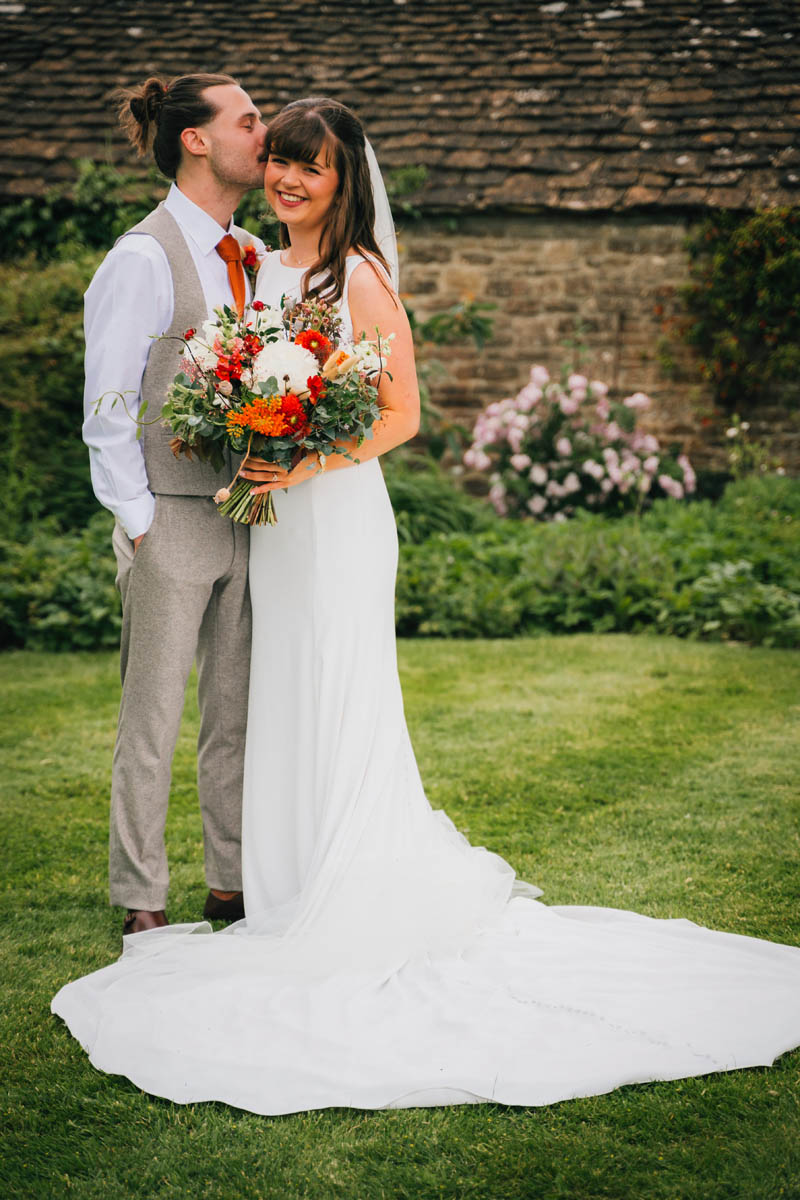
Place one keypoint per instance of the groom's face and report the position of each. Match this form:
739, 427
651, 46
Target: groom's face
234, 138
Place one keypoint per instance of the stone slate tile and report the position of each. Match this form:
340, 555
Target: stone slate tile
498, 101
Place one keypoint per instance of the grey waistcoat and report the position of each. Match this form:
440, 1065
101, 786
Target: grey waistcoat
166, 474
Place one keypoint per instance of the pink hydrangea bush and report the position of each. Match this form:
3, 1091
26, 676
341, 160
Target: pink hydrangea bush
560, 446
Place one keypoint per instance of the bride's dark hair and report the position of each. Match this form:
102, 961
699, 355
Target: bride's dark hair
298, 133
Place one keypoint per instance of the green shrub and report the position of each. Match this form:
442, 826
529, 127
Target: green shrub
42, 457
97, 208
730, 570
426, 500
57, 590
744, 306
725, 571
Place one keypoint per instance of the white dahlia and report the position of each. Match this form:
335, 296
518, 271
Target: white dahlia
290, 364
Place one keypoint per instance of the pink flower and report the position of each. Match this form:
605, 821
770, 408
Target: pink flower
538, 475
644, 443
637, 400
528, 396
540, 376
611, 456
645, 484
689, 477
564, 447
577, 383
537, 505
515, 438
595, 469
477, 457
651, 464
671, 486
497, 494
572, 483
569, 405
603, 408
599, 389
520, 462
554, 489
613, 431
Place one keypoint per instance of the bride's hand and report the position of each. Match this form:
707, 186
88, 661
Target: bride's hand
270, 477
263, 472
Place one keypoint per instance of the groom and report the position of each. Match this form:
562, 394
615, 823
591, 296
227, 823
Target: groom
182, 568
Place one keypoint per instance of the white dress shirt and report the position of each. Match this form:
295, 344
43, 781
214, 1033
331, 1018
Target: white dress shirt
129, 300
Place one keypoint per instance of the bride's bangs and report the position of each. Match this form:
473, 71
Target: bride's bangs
299, 136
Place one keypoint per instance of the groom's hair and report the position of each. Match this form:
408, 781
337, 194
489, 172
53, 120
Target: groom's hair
159, 112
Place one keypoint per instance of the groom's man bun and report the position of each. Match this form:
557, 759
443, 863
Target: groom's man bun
158, 112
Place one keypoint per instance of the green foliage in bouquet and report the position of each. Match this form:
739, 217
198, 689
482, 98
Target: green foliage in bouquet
744, 306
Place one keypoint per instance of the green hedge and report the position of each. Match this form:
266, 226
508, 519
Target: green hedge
57, 590
725, 570
730, 570
744, 306
43, 461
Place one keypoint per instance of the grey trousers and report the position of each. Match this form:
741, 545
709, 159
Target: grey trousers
184, 595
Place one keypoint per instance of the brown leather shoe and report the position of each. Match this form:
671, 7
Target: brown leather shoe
139, 919
216, 909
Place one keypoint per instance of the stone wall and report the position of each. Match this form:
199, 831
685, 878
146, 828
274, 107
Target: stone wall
609, 284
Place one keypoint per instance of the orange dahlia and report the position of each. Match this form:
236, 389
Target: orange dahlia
316, 342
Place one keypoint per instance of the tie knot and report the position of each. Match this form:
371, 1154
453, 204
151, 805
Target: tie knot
229, 249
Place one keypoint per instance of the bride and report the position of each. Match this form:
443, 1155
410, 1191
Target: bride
384, 961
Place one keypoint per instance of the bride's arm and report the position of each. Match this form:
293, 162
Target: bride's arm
372, 309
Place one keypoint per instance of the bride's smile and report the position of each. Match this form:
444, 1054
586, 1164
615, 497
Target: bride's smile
301, 192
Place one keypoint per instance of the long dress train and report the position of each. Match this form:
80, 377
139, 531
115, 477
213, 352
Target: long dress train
384, 961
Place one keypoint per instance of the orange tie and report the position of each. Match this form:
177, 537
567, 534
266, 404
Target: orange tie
230, 252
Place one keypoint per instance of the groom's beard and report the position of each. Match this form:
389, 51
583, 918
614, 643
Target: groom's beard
233, 169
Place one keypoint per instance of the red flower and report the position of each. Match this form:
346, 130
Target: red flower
249, 256
189, 334
316, 342
229, 366
295, 418
252, 344
316, 387
257, 306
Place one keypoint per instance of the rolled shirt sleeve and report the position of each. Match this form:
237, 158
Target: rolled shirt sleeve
128, 302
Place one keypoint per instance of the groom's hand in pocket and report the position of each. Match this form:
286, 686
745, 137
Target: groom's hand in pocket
137, 541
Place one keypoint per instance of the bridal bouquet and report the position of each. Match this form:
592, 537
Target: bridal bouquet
275, 383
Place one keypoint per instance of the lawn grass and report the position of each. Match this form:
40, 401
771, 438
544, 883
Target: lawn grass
641, 773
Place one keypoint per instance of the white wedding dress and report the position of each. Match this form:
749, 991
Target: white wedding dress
384, 961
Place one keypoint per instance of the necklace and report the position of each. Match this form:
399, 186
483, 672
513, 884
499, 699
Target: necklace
306, 262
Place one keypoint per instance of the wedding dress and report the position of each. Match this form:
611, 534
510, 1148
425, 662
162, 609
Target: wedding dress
384, 961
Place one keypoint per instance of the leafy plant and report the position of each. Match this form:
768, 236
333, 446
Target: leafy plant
467, 320
744, 306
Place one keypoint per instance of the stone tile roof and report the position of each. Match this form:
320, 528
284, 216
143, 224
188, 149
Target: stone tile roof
524, 105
